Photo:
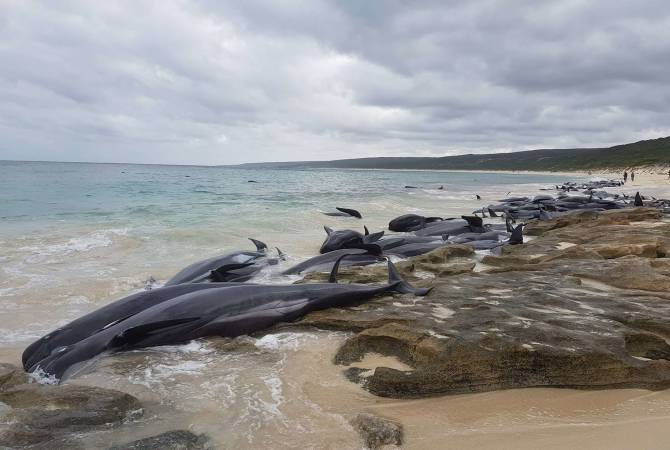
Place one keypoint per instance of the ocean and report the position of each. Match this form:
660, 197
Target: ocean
74, 236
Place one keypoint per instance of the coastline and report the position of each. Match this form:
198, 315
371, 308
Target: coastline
289, 375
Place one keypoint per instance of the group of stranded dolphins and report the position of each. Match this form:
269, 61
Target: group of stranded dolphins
214, 297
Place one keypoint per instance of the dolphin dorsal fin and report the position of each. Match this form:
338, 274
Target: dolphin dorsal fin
336, 267
374, 237
328, 230
260, 246
366, 230
398, 283
517, 235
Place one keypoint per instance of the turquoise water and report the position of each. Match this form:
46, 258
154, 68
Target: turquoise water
75, 236
38, 195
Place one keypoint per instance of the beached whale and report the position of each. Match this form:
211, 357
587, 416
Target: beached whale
453, 227
226, 311
337, 240
352, 257
95, 321
344, 212
229, 263
392, 241
411, 222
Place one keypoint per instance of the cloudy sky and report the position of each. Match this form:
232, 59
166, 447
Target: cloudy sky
221, 82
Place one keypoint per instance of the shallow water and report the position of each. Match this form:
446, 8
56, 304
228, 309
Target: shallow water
76, 236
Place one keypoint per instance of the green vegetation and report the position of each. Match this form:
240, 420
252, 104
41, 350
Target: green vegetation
643, 153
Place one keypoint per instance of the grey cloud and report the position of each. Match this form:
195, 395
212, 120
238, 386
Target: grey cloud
217, 82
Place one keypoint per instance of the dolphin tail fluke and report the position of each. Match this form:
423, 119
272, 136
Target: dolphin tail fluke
260, 246
400, 285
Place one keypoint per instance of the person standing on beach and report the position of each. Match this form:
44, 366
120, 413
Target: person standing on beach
668, 173
625, 176
632, 177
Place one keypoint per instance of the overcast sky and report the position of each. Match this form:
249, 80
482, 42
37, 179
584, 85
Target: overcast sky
221, 82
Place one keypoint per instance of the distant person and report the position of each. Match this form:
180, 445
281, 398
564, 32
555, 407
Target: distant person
668, 173
632, 177
625, 176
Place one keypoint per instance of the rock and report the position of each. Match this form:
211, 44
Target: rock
21, 436
171, 440
11, 376
592, 315
594, 219
435, 262
40, 413
377, 431
442, 255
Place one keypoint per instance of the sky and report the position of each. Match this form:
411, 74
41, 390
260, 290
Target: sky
226, 82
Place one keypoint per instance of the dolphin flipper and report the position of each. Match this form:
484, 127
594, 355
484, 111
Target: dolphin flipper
136, 334
219, 273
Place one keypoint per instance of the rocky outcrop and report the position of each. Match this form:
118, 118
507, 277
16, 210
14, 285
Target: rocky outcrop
42, 416
377, 431
171, 440
11, 376
581, 306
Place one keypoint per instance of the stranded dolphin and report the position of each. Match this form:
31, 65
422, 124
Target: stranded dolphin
226, 311
352, 257
97, 320
344, 212
336, 240
411, 222
201, 270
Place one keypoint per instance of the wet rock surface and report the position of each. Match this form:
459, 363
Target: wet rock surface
593, 314
377, 431
45, 416
171, 440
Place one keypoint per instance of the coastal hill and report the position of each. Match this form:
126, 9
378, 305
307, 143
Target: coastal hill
653, 152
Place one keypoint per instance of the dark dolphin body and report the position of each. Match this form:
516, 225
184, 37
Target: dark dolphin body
229, 263
354, 257
337, 240
414, 249
344, 212
392, 241
94, 322
445, 227
226, 311
411, 222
